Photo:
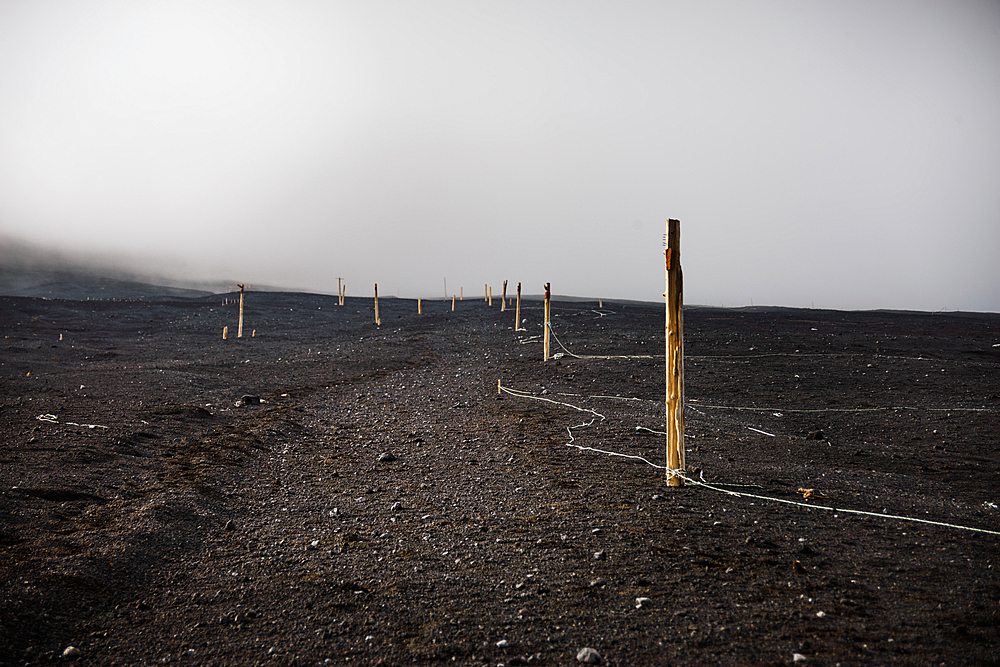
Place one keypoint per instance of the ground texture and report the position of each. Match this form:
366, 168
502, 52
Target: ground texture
382, 503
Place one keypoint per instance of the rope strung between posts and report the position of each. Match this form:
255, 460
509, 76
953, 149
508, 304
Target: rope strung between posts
718, 487
569, 429
602, 356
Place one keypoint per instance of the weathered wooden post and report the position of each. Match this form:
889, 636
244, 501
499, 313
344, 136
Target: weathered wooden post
517, 311
489, 297
675, 355
340, 296
503, 298
377, 320
419, 312
225, 332
239, 331
461, 291
453, 303
545, 334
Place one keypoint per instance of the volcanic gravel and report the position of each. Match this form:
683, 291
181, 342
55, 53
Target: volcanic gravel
327, 491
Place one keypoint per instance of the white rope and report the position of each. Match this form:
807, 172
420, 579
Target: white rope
740, 494
602, 356
879, 515
51, 419
874, 409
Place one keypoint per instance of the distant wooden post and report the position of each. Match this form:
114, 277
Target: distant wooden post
239, 332
453, 303
486, 292
503, 298
340, 297
225, 332
377, 320
419, 312
517, 312
545, 334
489, 296
675, 355
460, 291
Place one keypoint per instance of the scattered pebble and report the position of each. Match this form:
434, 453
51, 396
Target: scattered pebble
71, 652
798, 657
598, 555
641, 603
503, 643
589, 656
386, 456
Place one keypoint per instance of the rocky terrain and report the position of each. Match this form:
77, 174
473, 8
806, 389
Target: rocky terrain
327, 491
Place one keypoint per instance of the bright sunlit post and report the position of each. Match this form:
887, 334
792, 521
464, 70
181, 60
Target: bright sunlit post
239, 332
545, 333
675, 355
377, 320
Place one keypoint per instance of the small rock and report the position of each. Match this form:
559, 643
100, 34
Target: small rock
589, 656
598, 555
503, 643
396, 506
798, 657
229, 525
248, 400
386, 456
600, 581
816, 435
642, 603
71, 652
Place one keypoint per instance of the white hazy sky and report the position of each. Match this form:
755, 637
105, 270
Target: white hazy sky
838, 154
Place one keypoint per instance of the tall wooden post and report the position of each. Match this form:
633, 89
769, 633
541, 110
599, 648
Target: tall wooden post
239, 331
419, 311
340, 294
377, 320
545, 333
503, 298
517, 311
453, 303
489, 297
675, 355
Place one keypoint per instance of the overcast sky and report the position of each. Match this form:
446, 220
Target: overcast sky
830, 154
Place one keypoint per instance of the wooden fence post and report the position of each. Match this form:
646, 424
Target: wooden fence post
517, 312
503, 298
419, 312
340, 298
377, 320
545, 333
239, 332
675, 355
453, 303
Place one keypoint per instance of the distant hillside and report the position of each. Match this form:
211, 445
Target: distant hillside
75, 285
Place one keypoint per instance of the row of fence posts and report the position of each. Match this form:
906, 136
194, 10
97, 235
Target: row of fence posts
674, 340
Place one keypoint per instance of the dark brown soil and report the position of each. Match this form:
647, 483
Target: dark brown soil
383, 504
